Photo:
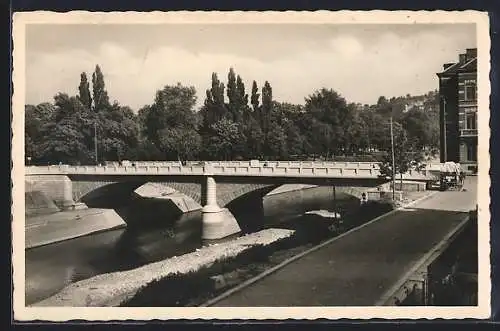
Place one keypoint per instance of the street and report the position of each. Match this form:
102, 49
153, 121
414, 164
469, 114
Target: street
357, 269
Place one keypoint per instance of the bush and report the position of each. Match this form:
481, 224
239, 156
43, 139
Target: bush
177, 290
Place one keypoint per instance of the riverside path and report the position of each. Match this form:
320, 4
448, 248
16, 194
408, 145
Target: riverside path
358, 269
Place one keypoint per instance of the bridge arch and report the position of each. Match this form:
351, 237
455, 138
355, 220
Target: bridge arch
112, 192
83, 191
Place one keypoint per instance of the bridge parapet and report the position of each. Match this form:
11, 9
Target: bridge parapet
210, 169
258, 163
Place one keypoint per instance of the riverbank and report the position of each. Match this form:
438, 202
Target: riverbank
113, 289
155, 231
52, 228
237, 261
308, 231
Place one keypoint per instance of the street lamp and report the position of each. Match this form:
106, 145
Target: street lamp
393, 165
95, 142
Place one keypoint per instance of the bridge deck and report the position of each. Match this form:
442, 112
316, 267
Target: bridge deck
325, 170
358, 269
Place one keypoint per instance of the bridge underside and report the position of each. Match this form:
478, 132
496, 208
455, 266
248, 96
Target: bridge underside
226, 193
218, 196
270, 180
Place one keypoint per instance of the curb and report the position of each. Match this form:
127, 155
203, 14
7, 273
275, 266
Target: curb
300, 255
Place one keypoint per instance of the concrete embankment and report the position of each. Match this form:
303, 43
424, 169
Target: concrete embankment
47, 224
116, 288
49, 229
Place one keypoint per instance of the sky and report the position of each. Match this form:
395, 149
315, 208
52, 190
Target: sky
361, 62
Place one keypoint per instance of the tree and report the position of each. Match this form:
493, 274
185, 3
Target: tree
265, 113
117, 132
173, 108
276, 141
65, 143
145, 151
237, 98
376, 130
321, 137
232, 94
406, 155
67, 137
180, 143
254, 138
296, 141
225, 140
36, 118
356, 129
242, 111
422, 127
214, 108
84, 91
255, 97
330, 110
99, 93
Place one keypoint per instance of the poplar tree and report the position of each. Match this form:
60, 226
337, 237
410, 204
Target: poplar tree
100, 95
266, 108
254, 100
232, 93
84, 91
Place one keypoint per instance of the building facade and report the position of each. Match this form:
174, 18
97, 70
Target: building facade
458, 111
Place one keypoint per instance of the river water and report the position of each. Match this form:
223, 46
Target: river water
163, 233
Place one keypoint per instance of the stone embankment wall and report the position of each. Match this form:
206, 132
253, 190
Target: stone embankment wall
37, 203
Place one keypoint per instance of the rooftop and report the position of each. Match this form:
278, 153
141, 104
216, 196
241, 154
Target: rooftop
466, 62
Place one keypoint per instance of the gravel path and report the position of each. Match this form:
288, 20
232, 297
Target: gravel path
112, 289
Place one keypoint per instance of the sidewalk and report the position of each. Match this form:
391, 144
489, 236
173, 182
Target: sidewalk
358, 269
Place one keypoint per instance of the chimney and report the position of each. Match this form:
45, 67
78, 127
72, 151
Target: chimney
470, 53
461, 58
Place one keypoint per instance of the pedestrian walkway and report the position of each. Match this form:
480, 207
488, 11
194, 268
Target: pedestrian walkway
359, 268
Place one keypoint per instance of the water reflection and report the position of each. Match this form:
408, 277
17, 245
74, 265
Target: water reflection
50, 268
156, 231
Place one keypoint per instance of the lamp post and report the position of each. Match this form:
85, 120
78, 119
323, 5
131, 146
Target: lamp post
95, 143
393, 165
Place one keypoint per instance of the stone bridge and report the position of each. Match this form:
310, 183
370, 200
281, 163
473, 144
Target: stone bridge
83, 191
216, 186
66, 192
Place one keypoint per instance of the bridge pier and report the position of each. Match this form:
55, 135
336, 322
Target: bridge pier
218, 222
57, 188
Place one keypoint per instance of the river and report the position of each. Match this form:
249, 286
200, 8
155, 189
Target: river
165, 234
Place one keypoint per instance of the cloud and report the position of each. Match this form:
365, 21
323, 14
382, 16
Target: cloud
361, 70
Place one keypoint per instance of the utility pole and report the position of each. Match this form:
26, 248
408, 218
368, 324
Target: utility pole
393, 165
445, 151
95, 142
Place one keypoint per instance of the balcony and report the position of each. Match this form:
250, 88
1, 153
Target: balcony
468, 132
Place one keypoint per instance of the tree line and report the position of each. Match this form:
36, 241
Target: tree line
233, 123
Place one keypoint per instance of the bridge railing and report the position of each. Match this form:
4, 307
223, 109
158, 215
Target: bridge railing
255, 163
236, 168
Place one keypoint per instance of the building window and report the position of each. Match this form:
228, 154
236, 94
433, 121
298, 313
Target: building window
470, 90
471, 152
471, 122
